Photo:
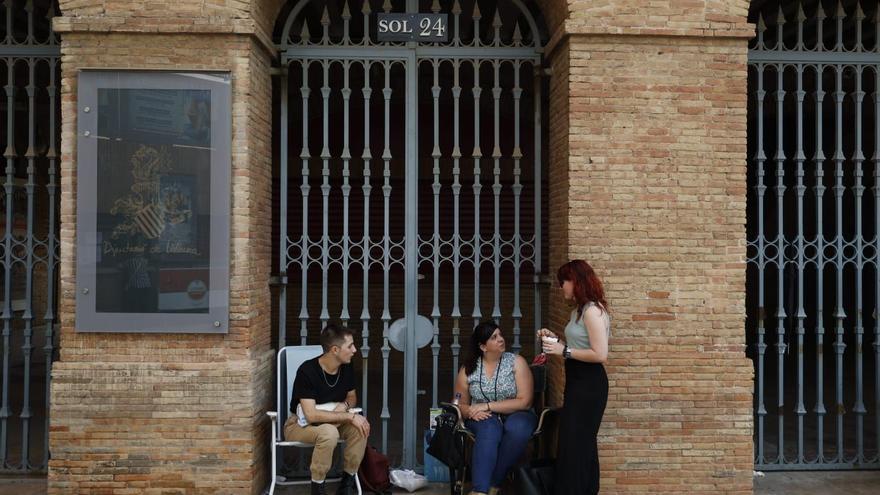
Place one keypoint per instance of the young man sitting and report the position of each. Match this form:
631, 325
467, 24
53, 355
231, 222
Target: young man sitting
324, 392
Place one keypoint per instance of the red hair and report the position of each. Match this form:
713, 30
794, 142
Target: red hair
587, 286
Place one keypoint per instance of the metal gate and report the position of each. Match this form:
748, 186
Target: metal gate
813, 277
29, 136
416, 180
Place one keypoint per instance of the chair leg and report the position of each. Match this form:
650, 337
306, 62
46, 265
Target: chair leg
273, 471
459, 480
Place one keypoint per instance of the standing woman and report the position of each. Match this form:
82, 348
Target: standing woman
584, 346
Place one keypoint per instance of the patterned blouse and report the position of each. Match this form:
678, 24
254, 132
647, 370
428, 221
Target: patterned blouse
500, 386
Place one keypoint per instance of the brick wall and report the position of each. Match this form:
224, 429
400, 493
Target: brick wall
647, 157
649, 163
134, 413
666, 17
558, 245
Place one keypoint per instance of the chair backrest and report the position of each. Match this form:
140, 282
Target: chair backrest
290, 358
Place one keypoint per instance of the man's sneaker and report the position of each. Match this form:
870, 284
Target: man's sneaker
346, 485
318, 488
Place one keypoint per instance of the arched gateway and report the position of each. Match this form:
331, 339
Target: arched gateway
410, 174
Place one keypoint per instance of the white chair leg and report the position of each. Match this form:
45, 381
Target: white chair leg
273, 473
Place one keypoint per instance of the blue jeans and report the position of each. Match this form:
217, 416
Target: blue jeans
499, 445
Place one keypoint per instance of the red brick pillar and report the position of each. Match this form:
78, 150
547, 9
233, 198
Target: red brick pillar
648, 160
170, 413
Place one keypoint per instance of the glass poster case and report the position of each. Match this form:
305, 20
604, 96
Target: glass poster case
153, 172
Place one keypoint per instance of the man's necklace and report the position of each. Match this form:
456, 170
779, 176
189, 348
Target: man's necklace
325, 376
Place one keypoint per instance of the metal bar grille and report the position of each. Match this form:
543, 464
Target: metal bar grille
432, 119
809, 250
29, 69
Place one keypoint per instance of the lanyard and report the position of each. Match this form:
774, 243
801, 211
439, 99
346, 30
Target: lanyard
497, 372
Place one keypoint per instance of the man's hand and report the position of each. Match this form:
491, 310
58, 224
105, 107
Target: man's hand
361, 424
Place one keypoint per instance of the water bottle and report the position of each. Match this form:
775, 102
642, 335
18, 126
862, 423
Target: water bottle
457, 398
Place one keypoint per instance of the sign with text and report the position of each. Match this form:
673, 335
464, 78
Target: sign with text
154, 166
412, 27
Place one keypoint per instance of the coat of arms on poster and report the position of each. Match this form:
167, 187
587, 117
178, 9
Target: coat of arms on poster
153, 197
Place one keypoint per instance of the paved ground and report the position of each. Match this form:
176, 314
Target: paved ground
816, 483
22, 486
819, 483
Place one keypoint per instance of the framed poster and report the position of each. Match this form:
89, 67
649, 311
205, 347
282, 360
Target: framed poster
153, 192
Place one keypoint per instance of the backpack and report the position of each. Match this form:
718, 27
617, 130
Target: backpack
373, 471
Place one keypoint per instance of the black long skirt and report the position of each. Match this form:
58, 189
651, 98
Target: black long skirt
577, 460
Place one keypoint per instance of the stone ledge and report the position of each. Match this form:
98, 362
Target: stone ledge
572, 28
163, 25
169, 25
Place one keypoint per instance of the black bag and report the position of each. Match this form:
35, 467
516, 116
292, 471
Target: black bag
536, 477
446, 444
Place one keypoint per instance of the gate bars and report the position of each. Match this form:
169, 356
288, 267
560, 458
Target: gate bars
814, 107
342, 73
29, 68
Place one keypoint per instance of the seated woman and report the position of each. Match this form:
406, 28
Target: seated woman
496, 396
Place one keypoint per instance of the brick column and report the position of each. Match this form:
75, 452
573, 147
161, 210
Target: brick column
172, 413
648, 159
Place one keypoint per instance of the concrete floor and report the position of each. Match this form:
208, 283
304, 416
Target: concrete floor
819, 483
815, 483
22, 486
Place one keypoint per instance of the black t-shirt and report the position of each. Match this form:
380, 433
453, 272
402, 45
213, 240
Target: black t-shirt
314, 383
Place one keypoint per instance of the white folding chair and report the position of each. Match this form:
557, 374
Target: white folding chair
290, 358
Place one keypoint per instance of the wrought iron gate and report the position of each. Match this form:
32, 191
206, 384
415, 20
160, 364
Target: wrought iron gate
814, 234
29, 135
467, 114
